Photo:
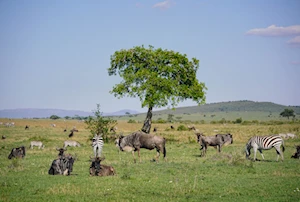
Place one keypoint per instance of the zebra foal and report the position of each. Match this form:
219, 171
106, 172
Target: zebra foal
97, 144
265, 143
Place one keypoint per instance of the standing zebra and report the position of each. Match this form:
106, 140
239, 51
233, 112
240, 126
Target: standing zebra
264, 143
97, 144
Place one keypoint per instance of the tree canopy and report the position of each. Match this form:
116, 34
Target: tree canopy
157, 77
54, 117
287, 113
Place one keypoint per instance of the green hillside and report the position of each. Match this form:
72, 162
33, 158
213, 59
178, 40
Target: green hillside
247, 110
234, 106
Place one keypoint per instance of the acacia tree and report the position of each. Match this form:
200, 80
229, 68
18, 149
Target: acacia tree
287, 113
158, 77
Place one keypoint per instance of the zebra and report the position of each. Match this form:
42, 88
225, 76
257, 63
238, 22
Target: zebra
38, 144
97, 144
265, 143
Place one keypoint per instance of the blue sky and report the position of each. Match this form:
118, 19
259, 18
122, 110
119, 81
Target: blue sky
55, 54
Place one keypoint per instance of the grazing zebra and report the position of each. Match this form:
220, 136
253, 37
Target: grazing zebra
97, 145
264, 143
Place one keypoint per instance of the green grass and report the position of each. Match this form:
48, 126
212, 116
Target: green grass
185, 176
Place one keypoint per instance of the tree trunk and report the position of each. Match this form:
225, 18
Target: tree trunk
147, 123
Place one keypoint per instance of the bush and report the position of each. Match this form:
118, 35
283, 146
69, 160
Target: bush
99, 124
131, 121
159, 120
54, 117
182, 128
239, 120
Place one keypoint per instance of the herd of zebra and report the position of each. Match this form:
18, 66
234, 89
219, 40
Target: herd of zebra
63, 165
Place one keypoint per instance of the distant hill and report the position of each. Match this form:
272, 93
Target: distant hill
220, 107
233, 106
44, 113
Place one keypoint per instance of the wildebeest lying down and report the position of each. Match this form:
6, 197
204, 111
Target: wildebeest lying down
71, 143
18, 152
216, 140
62, 166
98, 169
138, 140
38, 144
296, 155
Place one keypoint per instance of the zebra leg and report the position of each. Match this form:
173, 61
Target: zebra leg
254, 152
279, 153
261, 154
99, 151
95, 151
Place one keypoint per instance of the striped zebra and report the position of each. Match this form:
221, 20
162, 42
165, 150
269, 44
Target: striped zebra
264, 143
97, 145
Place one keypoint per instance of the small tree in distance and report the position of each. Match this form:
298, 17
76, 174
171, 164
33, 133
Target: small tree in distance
54, 117
98, 124
158, 77
287, 113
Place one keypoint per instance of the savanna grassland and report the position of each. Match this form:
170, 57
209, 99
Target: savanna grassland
185, 176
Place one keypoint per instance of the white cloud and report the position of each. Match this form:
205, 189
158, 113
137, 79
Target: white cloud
273, 30
163, 5
294, 41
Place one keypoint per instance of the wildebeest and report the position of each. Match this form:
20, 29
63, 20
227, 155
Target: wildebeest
26, 127
74, 130
62, 166
61, 151
215, 141
138, 140
71, 134
71, 143
3, 137
18, 152
296, 155
98, 169
191, 128
38, 144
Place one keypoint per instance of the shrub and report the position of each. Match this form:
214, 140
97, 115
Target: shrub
182, 128
99, 124
239, 120
159, 120
131, 121
54, 117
